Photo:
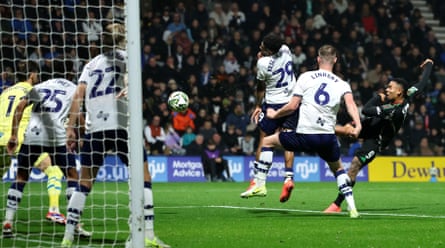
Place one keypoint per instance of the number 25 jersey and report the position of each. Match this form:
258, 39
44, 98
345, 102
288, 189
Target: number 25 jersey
51, 103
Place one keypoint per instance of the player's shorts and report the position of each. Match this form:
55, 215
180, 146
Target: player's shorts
325, 145
367, 152
269, 126
97, 144
30, 154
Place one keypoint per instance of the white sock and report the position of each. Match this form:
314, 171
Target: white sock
263, 165
148, 212
288, 176
69, 192
343, 183
75, 208
12, 203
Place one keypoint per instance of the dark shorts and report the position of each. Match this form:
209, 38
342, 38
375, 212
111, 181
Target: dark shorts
325, 145
29, 154
97, 144
367, 152
269, 126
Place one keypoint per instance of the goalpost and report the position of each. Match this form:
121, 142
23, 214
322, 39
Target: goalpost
135, 108
45, 31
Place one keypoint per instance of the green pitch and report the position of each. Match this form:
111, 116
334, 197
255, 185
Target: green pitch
194, 215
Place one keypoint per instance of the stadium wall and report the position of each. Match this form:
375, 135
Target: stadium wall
306, 169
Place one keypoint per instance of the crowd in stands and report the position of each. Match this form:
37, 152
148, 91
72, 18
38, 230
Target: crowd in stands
208, 50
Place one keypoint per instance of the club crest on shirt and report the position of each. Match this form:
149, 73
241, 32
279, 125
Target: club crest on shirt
102, 115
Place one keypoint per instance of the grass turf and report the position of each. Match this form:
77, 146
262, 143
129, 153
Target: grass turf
194, 215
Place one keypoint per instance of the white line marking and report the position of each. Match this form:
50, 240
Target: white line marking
54, 244
310, 211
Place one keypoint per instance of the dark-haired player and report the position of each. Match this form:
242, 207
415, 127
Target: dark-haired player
385, 114
275, 81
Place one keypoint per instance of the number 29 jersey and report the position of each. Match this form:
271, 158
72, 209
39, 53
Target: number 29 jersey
321, 92
104, 78
51, 103
278, 74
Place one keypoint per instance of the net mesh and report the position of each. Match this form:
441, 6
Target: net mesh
49, 32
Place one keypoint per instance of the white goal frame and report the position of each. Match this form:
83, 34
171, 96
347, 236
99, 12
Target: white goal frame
136, 179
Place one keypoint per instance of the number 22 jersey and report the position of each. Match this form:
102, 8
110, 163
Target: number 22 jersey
104, 78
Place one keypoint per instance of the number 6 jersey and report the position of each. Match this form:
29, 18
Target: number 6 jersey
321, 93
51, 103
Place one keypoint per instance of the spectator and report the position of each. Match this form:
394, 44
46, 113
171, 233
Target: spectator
202, 116
155, 136
146, 54
238, 118
184, 41
190, 67
212, 91
230, 62
368, 20
172, 141
252, 16
340, 5
416, 136
236, 17
151, 70
231, 138
183, 120
373, 75
213, 163
219, 16
92, 27
247, 144
201, 14
116, 13
396, 148
188, 137
424, 148
169, 70
196, 147
6, 79
207, 130
176, 25
20, 25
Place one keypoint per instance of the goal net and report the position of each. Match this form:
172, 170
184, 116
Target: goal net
48, 32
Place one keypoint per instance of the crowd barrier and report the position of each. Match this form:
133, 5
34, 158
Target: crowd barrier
306, 169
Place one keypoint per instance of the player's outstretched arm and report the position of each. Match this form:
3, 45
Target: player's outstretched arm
427, 66
287, 109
